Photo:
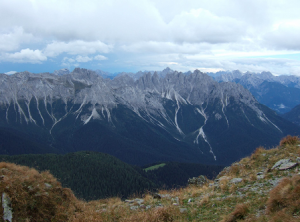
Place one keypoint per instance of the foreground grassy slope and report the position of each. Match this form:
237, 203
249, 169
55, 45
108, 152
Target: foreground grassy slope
249, 190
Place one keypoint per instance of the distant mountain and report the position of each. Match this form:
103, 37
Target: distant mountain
105, 75
280, 93
179, 117
139, 74
293, 115
61, 72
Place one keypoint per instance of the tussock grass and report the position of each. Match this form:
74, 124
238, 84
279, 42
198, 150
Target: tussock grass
239, 213
289, 140
36, 196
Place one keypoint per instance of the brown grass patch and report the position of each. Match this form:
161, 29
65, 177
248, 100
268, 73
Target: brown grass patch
289, 140
36, 196
163, 214
257, 153
284, 200
239, 213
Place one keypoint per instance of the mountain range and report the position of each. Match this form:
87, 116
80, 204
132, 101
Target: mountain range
280, 93
141, 119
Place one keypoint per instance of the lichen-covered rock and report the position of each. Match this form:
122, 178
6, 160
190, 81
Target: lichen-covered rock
7, 210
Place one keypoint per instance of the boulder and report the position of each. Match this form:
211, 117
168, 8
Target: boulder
280, 162
287, 166
7, 210
236, 180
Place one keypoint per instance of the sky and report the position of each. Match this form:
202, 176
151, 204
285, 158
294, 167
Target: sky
133, 35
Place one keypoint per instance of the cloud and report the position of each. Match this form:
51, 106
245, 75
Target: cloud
149, 33
11, 40
83, 58
200, 25
11, 72
285, 35
167, 47
77, 47
24, 56
100, 57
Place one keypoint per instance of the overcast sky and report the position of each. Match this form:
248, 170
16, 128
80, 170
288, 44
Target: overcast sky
133, 35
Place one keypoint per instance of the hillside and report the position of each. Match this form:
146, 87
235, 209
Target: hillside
262, 187
293, 115
94, 175
90, 175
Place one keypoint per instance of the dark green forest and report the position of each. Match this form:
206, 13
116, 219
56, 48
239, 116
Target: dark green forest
94, 175
174, 175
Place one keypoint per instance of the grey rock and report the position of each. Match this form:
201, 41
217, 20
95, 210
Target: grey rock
139, 201
280, 162
7, 210
259, 177
48, 185
129, 201
275, 181
175, 199
298, 159
134, 207
236, 180
287, 166
222, 178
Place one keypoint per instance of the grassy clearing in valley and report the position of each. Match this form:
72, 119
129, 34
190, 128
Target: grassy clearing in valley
155, 167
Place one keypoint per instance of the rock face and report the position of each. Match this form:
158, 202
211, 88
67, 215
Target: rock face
165, 116
293, 115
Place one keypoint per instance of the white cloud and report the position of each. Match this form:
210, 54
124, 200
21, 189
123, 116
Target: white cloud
70, 60
285, 35
11, 72
24, 56
77, 47
80, 58
100, 57
11, 40
167, 47
200, 25
189, 33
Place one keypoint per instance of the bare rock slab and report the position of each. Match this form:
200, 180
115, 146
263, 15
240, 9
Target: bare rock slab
280, 162
287, 166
